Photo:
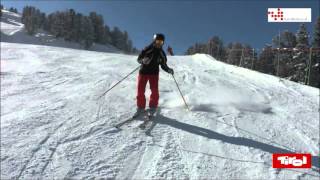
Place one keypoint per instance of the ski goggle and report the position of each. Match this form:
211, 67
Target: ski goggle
159, 42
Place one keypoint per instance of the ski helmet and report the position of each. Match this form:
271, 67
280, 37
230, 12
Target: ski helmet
158, 36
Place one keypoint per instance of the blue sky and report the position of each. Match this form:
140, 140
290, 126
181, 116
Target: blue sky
185, 22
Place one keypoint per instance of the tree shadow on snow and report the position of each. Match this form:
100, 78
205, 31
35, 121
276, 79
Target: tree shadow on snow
241, 141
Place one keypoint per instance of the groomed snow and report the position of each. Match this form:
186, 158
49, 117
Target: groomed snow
54, 126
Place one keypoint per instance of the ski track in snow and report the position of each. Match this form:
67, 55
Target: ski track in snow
54, 126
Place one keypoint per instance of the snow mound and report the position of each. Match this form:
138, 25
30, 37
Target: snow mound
53, 125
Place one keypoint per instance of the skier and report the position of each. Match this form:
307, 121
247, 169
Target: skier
150, 58
170, 51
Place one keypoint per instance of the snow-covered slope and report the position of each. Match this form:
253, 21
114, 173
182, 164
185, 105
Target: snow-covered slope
53, 125
12, 30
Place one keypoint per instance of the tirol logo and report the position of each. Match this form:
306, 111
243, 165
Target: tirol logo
289, 14
291, 160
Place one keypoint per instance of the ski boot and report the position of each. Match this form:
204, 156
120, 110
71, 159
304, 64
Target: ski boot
152, 111
139, 112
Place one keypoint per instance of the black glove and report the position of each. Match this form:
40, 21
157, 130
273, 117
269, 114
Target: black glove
170, 71
146, 61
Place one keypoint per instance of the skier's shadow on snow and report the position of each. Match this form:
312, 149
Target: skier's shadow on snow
242, 141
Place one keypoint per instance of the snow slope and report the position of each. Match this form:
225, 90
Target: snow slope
12, 30
53, 126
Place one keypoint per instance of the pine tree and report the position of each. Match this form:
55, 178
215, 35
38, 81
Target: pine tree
215, 48
313, 73
87, 32
302, 37
265, 64
69, 29
75, 34
57, 24
14, 10
300, 58
129, 46
287, 40
29, 19
107, 35
11, 9
127, 43
37, 16
71, 26
42, 20
189, 51
248, 57
284, 45
117, 38
48, 23
98, 27
135, 51
235, 54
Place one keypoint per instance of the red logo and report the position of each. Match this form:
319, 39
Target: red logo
291, 160
276, 15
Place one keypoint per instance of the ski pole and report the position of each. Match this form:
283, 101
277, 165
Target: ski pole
181, 93
118, 82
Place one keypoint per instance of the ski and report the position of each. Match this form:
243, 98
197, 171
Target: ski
145, 122
150, 128
148, 119
118, 126
123, 122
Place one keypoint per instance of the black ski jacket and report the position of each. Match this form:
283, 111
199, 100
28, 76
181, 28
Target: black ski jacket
157, 56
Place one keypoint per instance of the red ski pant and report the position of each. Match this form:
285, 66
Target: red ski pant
141, 87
